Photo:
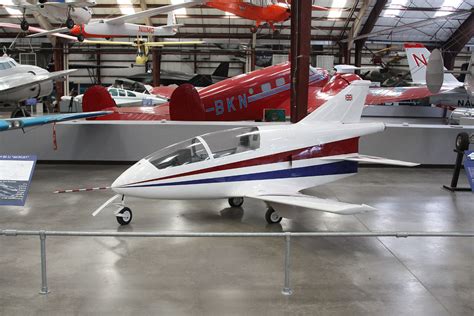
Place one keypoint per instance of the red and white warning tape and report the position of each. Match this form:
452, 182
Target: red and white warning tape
81, 190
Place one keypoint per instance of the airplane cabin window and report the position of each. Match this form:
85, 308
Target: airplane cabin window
131, 94
113, 92
234, 141
183, 153
121, 93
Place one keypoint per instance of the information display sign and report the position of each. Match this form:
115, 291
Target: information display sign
16, 172
469, 167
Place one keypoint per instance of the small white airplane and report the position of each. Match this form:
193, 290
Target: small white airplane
21, 82
118, 27
272, 163
456, 94
126, 98
69, 12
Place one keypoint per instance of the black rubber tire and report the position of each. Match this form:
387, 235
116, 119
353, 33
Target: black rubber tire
462, 141
24, 25
80, 38
18, 112
271, 213
70, 23
124, 221
236, 201
42, 1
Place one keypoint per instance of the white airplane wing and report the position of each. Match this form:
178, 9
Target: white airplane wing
151, 12
315, 203
22, 80
41, 32
372, 159
73, 4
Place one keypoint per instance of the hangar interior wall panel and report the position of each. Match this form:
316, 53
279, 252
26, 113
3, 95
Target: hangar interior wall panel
131, 141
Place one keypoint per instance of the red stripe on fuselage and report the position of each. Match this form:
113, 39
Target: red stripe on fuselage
347, 146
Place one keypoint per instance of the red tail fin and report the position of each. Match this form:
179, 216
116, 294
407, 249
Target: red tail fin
97, 98
186, 105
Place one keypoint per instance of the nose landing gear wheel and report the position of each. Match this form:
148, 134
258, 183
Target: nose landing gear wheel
272, 216
24, 25
80, 38
70, 23
236, 201
124, 217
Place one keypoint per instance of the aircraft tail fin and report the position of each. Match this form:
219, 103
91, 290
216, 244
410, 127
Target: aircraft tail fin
97, 98
186, 105
418, 57
171, 18
345, 107
222, 70
200, 80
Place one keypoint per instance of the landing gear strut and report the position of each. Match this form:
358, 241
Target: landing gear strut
124, 216
236, 201
272, 216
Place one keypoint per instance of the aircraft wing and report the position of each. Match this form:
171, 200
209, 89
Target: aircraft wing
24, 122
22, 80
396, 94
41, 32
151, 12
75, 4
372, 159
315, 203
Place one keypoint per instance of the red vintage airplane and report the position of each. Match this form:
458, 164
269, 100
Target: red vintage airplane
266, 11
244, 97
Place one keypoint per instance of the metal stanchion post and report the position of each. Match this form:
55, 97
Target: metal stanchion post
44, 281
286, 289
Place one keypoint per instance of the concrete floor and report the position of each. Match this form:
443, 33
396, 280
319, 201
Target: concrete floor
330, 276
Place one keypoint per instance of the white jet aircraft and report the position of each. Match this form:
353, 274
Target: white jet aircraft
272, 163
21, 82
69, 12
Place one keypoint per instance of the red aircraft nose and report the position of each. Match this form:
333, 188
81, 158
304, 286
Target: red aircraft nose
76, 30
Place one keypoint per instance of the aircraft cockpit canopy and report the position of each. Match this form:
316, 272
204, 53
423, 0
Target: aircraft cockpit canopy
233, 141
218, 144
7, 64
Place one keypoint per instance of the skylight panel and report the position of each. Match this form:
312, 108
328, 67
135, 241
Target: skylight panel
394, 8
337, 7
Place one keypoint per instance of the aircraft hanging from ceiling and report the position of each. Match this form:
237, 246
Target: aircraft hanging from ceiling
267, 11
119, 26
268, 163
67, 12
21, 82
246, 97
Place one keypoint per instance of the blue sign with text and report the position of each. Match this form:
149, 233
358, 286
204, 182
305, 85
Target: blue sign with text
469, 167
16, 172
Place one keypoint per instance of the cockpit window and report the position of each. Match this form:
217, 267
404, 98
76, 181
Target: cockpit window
179, 154
234, 141
113, 92
5, 65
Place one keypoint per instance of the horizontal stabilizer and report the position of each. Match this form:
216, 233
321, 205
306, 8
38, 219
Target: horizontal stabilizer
315, 203
24, 122
372, 159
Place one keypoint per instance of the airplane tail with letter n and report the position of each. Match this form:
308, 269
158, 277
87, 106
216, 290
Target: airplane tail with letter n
418, 57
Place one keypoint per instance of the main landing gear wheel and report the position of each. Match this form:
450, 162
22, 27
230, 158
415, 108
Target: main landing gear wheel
24, 25
80, 38
69, 23
20, 112
124, 217
42, 1
236, 201
462, 142
272, 216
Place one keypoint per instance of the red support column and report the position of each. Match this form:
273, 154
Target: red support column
299, 57
156, 68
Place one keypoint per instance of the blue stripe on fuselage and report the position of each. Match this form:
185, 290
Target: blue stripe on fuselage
341, 167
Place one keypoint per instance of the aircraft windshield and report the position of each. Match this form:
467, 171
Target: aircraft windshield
234, 141
179, 154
